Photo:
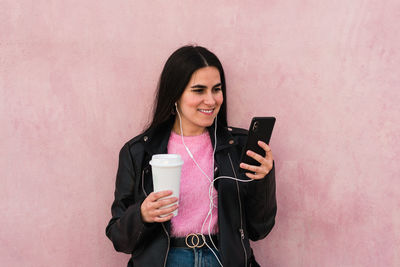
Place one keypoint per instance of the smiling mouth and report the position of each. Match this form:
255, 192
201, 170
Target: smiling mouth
206, 111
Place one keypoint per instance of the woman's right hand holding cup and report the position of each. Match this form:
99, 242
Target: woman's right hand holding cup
153, 207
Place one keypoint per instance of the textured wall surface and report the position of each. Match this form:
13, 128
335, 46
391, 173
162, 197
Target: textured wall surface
77, 79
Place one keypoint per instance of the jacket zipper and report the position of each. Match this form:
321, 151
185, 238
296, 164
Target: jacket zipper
240, 211
162, 224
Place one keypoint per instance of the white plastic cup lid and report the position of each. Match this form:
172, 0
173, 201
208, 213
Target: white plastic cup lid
166, 160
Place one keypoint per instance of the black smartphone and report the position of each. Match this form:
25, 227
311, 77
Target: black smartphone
260, 130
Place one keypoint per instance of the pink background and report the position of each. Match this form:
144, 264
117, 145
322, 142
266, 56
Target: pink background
77, 80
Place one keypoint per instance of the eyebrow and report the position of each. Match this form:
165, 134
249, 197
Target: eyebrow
203, 86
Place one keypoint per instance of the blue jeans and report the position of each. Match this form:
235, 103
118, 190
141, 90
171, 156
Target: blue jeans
192, 257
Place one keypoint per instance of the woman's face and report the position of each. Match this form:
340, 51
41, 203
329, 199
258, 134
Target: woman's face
200, 101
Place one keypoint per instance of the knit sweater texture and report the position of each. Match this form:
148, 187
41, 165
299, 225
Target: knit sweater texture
194, 201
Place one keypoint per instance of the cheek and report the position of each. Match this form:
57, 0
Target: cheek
190, 105
187, 101
220, 99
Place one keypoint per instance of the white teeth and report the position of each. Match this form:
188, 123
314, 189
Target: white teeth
206, 110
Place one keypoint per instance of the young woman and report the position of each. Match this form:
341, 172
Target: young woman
217, 216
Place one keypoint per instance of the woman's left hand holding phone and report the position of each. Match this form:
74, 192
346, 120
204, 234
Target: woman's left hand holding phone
267, 162
153, 207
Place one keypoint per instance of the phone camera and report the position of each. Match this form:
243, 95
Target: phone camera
255, 126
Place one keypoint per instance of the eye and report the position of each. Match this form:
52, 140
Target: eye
217, 89
199, 91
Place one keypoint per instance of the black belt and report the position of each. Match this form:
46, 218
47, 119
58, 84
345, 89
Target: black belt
193, 241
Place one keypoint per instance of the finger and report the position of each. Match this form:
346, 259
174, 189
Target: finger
166, 210
164, 202
154, 196
255, 156
251, 167
256, 176
269, 163
161, 213
163, 219
264, 145
267, 148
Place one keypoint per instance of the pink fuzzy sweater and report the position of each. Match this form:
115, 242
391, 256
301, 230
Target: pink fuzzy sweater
193, 198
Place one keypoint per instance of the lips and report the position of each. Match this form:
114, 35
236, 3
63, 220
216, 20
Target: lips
206, 111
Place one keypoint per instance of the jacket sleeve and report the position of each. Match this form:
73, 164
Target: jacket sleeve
260, 202
126, 229
261, 206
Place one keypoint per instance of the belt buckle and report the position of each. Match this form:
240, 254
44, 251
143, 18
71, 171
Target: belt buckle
195, 240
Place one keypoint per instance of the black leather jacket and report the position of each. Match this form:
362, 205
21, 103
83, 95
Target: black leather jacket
245, 210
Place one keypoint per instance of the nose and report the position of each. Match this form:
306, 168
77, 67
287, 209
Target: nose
209, 99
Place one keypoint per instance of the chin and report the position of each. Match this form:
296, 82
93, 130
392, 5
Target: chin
207, 124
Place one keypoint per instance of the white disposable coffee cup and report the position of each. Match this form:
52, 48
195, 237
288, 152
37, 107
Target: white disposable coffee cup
166, 169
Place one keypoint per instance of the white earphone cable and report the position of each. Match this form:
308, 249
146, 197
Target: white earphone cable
210, 190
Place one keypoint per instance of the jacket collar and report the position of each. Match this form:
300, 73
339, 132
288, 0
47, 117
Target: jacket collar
156, 140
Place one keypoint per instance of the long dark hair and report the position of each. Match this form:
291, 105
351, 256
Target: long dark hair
174, 78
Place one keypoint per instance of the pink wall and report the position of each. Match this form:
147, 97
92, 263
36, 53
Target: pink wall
77, 78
